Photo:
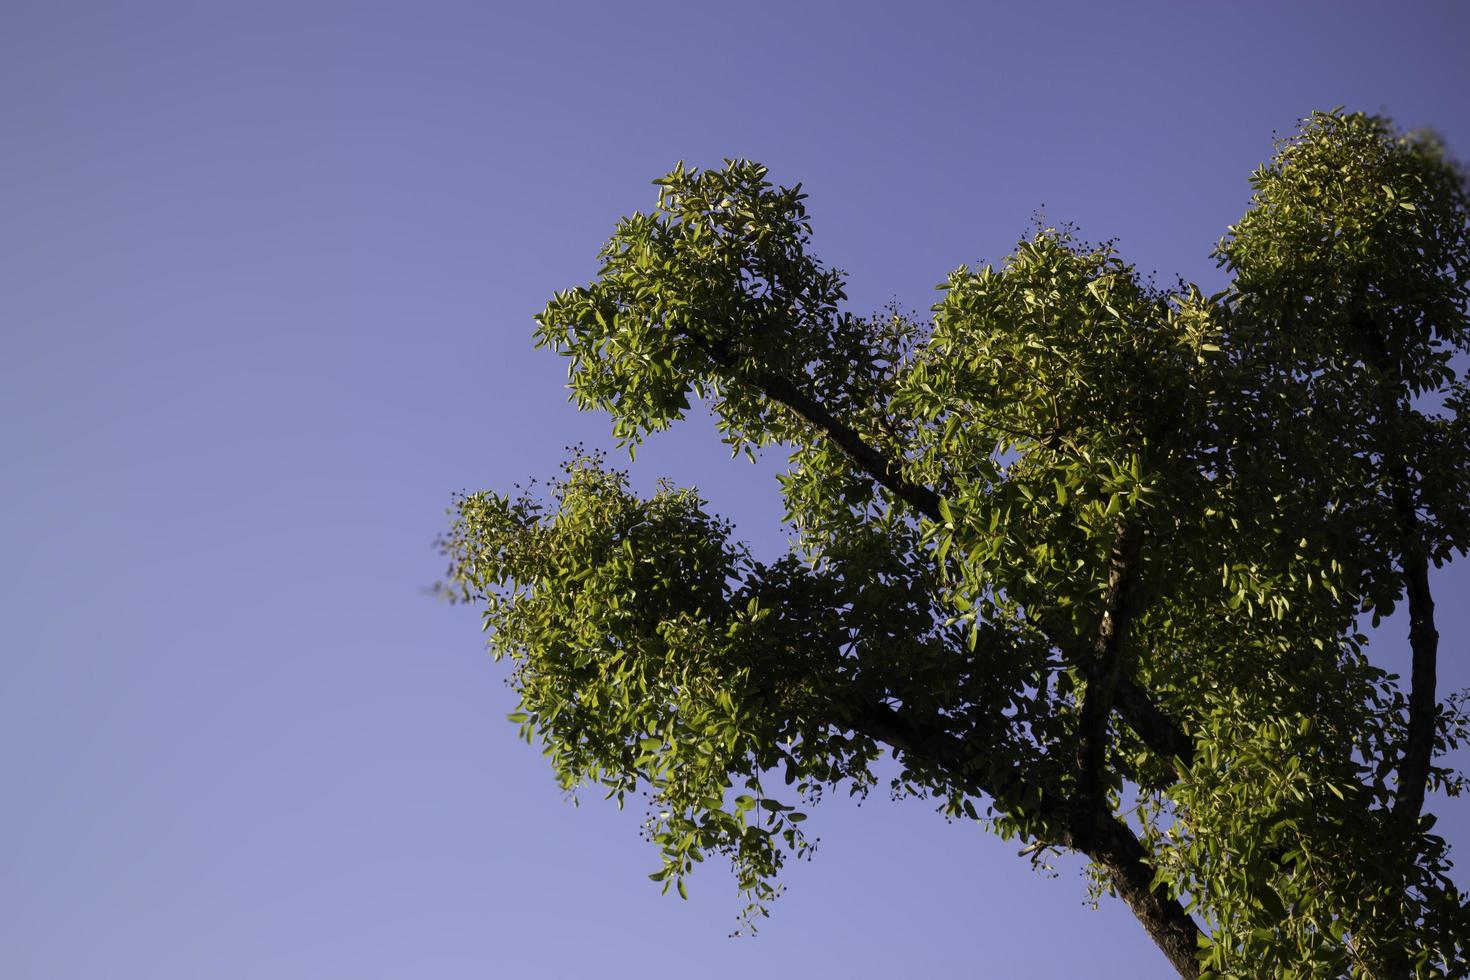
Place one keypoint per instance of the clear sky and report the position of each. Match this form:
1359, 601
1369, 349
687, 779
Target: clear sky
266, 278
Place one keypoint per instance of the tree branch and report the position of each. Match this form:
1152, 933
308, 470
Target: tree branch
1418, 750
921, 498
1160, 733
1413, 777
813, 413
1157, 730
1109, 842
1092, 830
1104, 668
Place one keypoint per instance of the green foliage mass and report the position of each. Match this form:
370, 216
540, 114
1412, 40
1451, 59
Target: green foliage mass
1086, 557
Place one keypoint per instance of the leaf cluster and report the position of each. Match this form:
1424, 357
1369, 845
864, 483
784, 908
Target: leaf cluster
1086, 556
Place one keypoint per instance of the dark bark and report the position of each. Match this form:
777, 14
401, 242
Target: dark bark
921, 498
782, 391
1157, 730
1104, 668
1418, 750
1108, 841
1394, 406
1095, 830
1091, 830
1424, 643
1417, 754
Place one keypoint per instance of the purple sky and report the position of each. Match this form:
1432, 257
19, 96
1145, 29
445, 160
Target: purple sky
266, 280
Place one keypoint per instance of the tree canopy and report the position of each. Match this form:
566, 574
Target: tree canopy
1088, 558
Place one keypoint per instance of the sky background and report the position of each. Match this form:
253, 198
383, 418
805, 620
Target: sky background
266, 278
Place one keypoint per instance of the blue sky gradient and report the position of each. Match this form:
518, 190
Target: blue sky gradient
266, 281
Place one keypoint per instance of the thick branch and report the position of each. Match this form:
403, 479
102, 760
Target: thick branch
813, 413
921, 498
1093, 831
1418, 750
1104, 668
1157, 730
1424, 644
1109, 842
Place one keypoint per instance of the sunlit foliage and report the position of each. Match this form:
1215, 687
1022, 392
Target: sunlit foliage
1087, 557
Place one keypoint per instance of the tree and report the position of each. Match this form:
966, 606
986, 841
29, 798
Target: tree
1087, 557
